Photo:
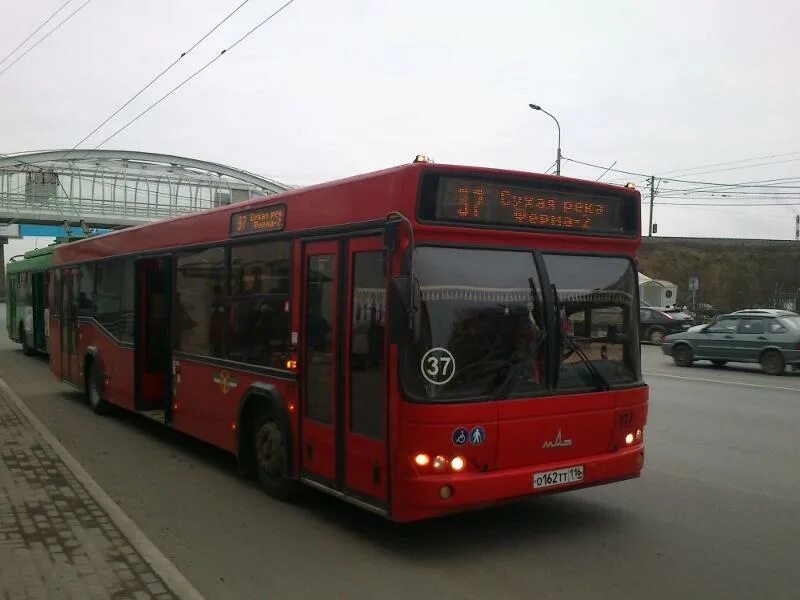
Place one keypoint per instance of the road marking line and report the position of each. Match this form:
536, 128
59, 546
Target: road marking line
755, 385
168, 572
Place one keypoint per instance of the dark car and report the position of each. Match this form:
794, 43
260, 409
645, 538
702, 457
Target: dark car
655, 323
766, 336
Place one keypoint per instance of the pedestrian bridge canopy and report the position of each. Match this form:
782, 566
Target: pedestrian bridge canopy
112, 188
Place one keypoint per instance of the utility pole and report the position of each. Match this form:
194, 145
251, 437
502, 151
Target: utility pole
652, 197
797, 228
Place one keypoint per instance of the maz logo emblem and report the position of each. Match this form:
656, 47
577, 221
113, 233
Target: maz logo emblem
558, 442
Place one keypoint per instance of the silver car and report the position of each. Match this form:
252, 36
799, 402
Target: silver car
767, 336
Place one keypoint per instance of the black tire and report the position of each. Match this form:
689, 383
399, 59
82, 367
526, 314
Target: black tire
772, 362
656, 336
26, 350
719, 363
271, 459
682, 355
94, 391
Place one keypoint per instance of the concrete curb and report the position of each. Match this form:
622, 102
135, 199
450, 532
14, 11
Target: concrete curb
168, 572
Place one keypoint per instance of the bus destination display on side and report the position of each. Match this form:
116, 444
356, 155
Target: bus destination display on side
258, 220
536, 206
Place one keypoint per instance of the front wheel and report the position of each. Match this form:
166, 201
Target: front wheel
272, 460
772, 362
682, 355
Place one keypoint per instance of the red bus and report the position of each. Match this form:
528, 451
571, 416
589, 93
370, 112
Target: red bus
418, 341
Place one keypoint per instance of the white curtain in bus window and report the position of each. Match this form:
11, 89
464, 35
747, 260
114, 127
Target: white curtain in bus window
259, 304
199, 303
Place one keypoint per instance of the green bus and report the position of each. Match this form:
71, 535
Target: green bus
27, 285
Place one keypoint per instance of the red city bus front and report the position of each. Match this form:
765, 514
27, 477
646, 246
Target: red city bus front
520, 373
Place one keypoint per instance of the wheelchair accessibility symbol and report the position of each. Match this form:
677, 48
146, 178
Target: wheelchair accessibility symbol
460, 436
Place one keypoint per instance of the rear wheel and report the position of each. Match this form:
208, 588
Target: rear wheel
719, 363
271, 459
656, 336
682, 355
94, 390
772, 362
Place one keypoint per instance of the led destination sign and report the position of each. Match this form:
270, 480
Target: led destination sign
535, 206
258, 220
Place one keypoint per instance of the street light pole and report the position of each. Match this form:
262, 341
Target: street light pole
558, 125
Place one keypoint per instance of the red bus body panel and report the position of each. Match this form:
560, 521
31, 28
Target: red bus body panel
206, 402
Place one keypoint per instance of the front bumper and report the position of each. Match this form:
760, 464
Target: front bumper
666, 348
420, 497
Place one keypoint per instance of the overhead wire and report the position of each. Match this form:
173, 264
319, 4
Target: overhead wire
43, 38
730, 162
35, 31
161, 74
195, 74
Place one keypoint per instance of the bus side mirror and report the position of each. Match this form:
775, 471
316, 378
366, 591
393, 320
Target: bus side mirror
390, 236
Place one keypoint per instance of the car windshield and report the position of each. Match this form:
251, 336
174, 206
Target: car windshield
483, 332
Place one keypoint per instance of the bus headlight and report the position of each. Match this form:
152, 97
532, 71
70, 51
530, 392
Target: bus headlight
458, 463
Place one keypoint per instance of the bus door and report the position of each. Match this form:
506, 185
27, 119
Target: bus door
319, 361
39, 302
344, 391
153, 337
70, 288
365, 392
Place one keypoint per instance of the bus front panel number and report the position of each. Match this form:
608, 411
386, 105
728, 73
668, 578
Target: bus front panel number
438, 366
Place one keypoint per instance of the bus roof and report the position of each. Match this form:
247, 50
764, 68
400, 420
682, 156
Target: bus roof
357, 199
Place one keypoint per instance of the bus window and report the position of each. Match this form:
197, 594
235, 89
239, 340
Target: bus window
199, 303
368, 321
597, 300
258, 304
482, 326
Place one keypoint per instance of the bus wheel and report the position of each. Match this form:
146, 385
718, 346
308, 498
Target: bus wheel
271, 459
94, 390
26, 350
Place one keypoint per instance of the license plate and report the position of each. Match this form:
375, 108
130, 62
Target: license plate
557, 477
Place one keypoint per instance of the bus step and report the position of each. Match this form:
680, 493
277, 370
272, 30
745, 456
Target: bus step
155, 415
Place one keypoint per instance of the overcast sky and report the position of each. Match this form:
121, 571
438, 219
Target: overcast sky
330, 89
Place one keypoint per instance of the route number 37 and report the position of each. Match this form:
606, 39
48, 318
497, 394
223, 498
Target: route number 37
438, 366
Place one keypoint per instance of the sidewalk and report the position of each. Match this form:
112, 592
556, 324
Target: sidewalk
61, 536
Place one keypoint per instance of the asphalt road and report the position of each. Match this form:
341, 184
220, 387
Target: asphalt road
715, 515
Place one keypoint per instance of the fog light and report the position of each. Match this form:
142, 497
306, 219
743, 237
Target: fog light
458, 463
445, 492
422, 460
439, 463
629, 438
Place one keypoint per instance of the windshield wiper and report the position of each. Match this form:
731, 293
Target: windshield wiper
598, 377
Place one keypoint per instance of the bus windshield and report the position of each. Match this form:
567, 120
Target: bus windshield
483, 330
